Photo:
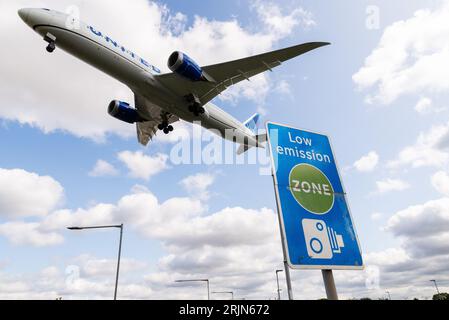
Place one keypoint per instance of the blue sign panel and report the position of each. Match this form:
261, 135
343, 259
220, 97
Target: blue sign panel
315, 218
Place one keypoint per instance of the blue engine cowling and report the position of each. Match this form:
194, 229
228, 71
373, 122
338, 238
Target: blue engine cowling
183, 65
122, 111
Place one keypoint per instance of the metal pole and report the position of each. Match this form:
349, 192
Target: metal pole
277, 279
118, 261
435, 282
329, 284
208, 290
284, 249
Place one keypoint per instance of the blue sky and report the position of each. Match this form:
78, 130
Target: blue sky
54, 123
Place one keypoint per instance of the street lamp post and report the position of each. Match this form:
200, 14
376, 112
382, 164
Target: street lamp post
436, 286
277, 280
120, 226
230, 292
198, 280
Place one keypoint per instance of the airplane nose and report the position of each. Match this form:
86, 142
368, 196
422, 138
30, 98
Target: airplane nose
24, 13
34, 16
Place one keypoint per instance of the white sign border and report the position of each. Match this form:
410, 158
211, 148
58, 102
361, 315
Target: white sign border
302, 266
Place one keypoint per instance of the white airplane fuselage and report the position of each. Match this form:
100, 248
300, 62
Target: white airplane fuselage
106, 54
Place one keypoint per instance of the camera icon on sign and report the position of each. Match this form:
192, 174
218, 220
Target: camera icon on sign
321, 241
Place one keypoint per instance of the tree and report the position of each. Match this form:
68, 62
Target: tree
441, 296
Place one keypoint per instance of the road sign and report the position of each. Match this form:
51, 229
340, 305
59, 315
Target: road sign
316, 224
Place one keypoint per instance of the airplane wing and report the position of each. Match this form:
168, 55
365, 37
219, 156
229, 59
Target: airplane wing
147, 129
229, 73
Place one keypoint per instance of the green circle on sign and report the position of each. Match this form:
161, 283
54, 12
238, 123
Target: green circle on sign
311, 188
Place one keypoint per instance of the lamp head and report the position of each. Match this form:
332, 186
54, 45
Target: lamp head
74, 228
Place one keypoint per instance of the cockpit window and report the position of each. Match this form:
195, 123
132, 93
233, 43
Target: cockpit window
45, 9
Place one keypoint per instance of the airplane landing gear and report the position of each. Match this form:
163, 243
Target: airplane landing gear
196, 109
51, 47
195, 105
164, 126
51, 39
168, 129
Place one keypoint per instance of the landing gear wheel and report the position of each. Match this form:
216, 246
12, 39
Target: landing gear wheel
162, 125
170, 128
51, 40
196, 109
166, 130
51, 47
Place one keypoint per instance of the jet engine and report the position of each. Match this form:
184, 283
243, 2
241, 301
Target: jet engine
122, 111
183, 65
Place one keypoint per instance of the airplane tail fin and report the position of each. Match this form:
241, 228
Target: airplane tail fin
251, 123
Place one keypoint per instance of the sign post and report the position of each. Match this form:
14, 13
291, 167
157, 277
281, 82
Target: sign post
329, 285
284, 251
316, 226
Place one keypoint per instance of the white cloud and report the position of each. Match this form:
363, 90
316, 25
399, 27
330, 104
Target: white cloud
430, 150
51, 271
142, 166
24, 194
91, 266
198, 184
424, 228
217, 245
12, 287
428, 219
77, 103
282, 25
52, 282
440, 181
376, 216
390, 256
60, 219
423, 252
411, 57
256, 90
177, 221
193, 237
367, 163
283, 87
103, 168
424, 105
227, 228
389, 185
21, 233
196, 242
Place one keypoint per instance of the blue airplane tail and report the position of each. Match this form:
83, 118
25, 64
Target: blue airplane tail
251, 123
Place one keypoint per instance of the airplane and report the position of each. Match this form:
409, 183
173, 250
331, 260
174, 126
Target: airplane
162, 99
